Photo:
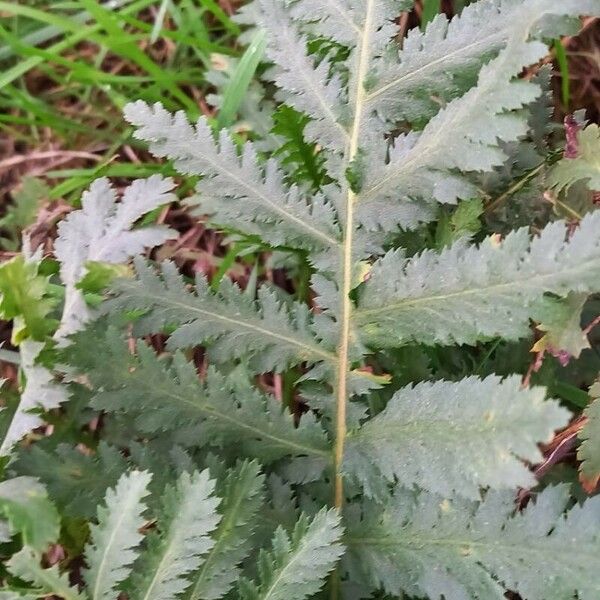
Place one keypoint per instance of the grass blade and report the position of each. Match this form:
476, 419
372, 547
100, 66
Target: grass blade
430, 9
240, 80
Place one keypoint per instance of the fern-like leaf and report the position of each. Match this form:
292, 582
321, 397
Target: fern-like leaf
308, 88
271, 334
101, 231
294, 151
236, 191
475, 293
464, 136
26, 565
468, 133
422, 545
297, 565
39, 393
583, 167
176, 549
455, 438
168, 397
75, 481
437, 64
242, 493
338, 20
25, 505
116, 537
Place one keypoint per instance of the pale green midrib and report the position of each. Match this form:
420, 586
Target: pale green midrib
121, 516
527, 282
212, 411
228, 527
132, 288
345, 285
220, 169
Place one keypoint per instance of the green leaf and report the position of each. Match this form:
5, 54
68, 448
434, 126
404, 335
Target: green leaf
102, 232
565, 79
24, 503
589, 449
441, 62
242, 493
40, 393
168, 396
464, 222
561, 322
468, 293
116, 537
424, 546
455, 438
235, 91
236, 191
176, 549
99, 275
302, 157
49, 582
297, 564
268, 332
23, 299
423, 166
76, 482
430, 9
308, 87
584, 167
338, 20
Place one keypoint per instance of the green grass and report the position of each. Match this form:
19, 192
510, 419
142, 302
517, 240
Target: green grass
563, 66
240, 80
430, 9
67, 68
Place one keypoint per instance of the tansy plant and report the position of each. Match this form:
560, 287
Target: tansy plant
373, 476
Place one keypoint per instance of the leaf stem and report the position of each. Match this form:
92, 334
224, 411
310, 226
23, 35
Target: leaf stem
514, 188
346, 284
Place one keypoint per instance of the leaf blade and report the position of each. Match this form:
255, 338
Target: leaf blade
454, 438
116, 537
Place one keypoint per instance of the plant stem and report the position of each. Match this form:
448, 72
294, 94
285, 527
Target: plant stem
363, 51
513, 188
